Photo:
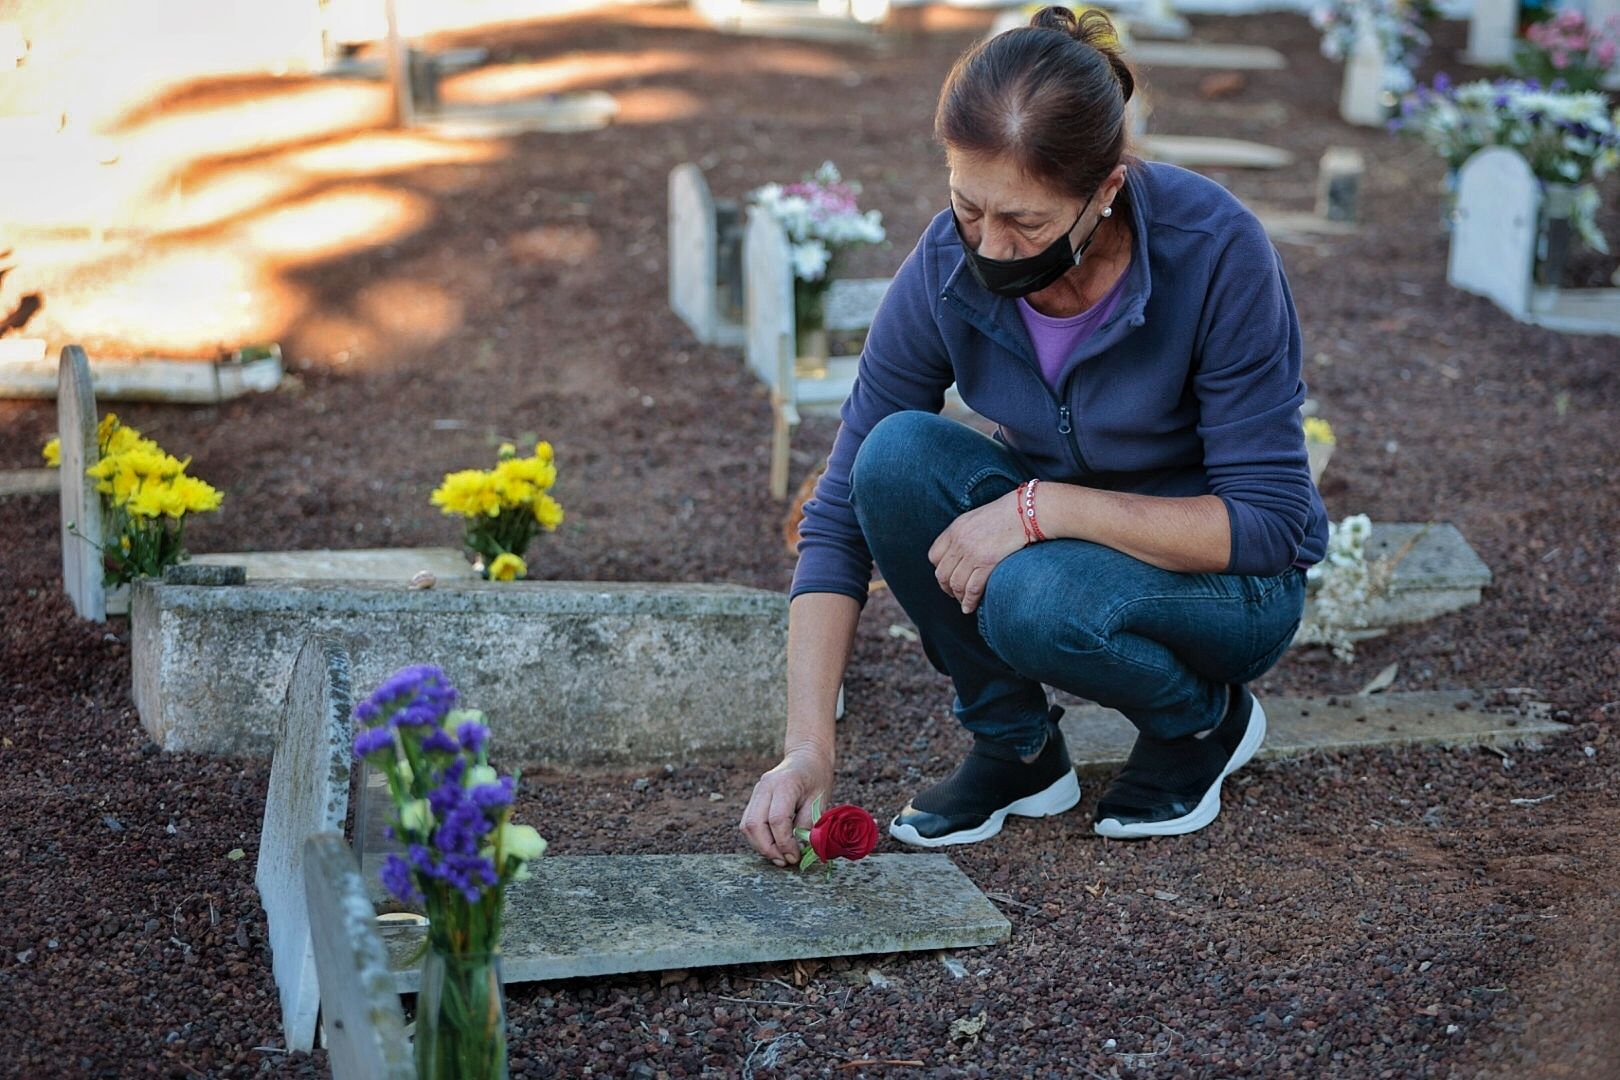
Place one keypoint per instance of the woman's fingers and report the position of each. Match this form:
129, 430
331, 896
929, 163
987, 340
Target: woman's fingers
784, 806
973, 591
754, 825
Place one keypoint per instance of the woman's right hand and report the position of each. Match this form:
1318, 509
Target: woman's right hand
781, 802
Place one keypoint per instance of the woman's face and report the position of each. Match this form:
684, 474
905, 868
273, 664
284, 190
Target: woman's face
1007, 215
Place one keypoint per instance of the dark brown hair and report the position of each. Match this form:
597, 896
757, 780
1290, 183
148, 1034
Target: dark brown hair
1049, 96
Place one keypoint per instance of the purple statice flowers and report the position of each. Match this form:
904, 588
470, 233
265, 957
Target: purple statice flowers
452, 808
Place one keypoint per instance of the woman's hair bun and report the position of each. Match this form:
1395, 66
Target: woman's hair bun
1092, 27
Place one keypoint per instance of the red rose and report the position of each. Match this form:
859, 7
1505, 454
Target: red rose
844, 832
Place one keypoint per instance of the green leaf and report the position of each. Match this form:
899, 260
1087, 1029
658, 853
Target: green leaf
815, 809
802, 834
810, 859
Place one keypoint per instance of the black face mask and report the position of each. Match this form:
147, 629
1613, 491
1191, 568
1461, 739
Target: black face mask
1013, 278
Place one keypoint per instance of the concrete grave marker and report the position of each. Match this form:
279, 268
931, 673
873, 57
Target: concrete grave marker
1153, 54
1338, 184
571, 672
1209, 152
1101, 738
701, 244
29, 482
605, 914
1362, 98
1493, 27
82, 524
360, 1011
309, 794
1493, 239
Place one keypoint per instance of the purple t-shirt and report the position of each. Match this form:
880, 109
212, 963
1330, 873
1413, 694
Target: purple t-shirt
1056, 340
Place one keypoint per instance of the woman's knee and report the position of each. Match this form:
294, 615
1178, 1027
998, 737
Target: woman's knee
1035, 610
890, 453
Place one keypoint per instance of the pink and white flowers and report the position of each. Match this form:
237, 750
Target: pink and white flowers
822, 219
1566, 47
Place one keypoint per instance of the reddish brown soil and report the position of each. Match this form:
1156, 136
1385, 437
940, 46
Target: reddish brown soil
1383, 914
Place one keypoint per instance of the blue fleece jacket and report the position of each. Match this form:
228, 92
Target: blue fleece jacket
1191, 387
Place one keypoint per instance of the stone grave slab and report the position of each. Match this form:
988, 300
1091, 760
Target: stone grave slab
1209, 152
593, 915
192, 382
1437, 572
1576, 311
585, 110
1362, 97
1193, 55
29, 482
359, 564
82, 524
1102, 738
360, 1010
308, 794
569, 672
1493, 27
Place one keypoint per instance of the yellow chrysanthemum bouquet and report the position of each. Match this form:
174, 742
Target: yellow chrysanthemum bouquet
145, 497
504, 507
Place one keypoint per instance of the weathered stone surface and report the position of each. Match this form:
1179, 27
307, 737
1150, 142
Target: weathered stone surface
1437, 572
365, 1027
568, 672
309, 794
213, 574
1100, 738
82, 524
29, 482
604, 914
358, 564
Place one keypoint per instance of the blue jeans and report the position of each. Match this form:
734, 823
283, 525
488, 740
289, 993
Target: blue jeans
1159, 646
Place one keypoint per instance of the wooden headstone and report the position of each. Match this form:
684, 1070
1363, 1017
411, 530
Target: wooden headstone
1492, 28
309, 794
82, 526
1493, 241
365, 1027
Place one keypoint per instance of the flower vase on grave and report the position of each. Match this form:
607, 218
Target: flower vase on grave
810, 328
460, 1017
1556, 228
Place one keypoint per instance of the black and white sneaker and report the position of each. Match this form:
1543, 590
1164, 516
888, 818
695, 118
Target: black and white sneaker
992, 782
1170, 787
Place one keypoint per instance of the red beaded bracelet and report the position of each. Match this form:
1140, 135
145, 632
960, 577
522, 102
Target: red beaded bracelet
1032, 524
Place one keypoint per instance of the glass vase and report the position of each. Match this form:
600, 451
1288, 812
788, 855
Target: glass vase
460, 1017
1553, 242
810, 328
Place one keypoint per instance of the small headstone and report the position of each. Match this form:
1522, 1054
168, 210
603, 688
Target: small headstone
29, 482
1492, 28
1493, 238
309, 794
82, 524
214, 574
1362, 97
605, 914
365, 1027
768, 292
695, 290
1338, 184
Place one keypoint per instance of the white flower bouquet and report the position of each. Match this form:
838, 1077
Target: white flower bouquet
1397, 26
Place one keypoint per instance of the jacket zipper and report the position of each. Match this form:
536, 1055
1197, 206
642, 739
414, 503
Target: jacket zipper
1065, 425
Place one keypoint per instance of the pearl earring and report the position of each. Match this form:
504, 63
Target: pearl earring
1108, 211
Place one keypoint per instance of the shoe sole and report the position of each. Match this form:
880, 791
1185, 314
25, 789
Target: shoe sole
1063, 794
1208, 808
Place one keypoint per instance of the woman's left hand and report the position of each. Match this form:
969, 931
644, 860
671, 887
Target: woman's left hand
974, 545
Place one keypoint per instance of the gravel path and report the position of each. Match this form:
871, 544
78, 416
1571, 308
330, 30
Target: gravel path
1379, 914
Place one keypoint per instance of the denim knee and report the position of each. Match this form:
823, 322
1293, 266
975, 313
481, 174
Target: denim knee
890, 453
1031, 611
